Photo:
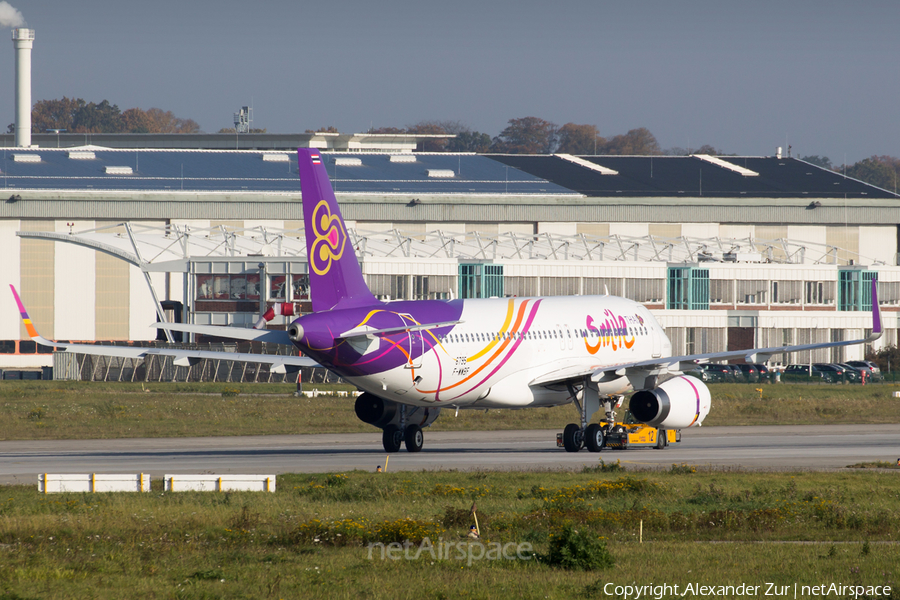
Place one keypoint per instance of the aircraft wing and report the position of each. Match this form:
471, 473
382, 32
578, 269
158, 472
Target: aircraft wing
183, 357
751, 355
688, 361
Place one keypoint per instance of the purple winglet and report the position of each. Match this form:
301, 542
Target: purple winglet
876, 310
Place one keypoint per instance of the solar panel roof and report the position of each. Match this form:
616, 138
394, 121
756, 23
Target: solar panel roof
227, 171
467, 174
692, 176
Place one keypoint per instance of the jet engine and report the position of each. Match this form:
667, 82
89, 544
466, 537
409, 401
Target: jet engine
680, 402
379, 412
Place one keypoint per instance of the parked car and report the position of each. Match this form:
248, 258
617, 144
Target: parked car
800, 372
713, 373
853, 374
834, 373
764, 372
873, 373
751, 373
738, 374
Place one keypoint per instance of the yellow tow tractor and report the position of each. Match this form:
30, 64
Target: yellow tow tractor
631, 434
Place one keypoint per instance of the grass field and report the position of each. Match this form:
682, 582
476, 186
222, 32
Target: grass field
83, 410
310, 538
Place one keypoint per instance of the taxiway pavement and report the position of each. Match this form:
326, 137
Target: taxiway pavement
813, 447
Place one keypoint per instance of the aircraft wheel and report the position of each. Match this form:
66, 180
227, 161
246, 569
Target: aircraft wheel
593, 437
573, 437
414, 438
391, 438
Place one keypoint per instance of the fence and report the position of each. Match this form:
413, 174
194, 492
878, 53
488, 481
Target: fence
86, 367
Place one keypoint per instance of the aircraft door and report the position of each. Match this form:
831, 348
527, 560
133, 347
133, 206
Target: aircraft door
416, 343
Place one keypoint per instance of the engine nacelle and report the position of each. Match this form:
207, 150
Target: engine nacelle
680, 402
379, 412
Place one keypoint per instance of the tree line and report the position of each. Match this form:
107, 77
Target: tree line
75, 115
533, 135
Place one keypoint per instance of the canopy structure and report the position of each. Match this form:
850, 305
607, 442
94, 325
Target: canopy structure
156, 248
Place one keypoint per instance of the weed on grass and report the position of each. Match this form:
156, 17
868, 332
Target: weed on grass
312, 537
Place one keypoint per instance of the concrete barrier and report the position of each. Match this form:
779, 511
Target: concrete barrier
339, 393
220, 483
54, 483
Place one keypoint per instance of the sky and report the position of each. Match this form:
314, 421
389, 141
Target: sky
746, 77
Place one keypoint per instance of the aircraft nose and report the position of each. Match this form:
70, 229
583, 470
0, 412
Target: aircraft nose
295, 332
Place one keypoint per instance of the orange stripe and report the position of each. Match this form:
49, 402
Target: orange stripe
491, 359
509, 314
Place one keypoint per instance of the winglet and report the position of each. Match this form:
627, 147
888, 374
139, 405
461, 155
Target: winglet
26, 320
876, 314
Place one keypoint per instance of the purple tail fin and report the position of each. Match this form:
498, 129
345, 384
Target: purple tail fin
335, 278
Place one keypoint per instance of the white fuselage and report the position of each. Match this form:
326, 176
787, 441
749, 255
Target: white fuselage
506, 352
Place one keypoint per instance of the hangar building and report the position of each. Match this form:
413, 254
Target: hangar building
729, 252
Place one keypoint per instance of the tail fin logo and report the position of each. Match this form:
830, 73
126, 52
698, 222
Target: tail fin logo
330, 239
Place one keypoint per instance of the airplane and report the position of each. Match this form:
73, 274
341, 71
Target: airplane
413, 358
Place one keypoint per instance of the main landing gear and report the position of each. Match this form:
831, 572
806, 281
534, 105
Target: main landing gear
400, 424
411, 435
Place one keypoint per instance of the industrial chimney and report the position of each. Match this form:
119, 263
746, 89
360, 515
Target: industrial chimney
23, 39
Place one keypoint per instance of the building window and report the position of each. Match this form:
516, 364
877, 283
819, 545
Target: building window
650, 291
595, 286
480, 280
688, 288
751, 291
389, 287
787, 292
855, 290
819, 292
228, 287
559, 286
721, 291
431, 287
520, 286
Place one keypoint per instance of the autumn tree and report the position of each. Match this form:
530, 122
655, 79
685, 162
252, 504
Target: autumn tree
637, 142
386, 130
880, 171
166, 122
252, 130
54, 114
429, 128
97, 118
819, 161
77, 116
469, 141
135, 120
579, 139
528, 135
329, 129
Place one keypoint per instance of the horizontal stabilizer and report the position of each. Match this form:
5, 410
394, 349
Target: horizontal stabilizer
366, 332
183, 357
273, 336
